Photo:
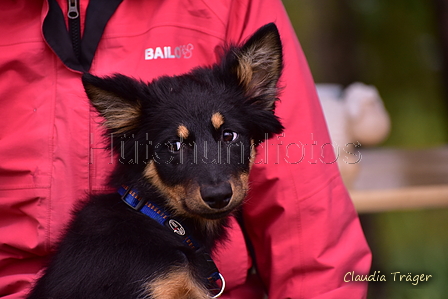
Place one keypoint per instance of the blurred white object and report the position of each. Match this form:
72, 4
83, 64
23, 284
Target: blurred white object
369, 121
355, 116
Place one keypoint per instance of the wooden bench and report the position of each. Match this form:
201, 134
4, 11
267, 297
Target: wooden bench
400, 179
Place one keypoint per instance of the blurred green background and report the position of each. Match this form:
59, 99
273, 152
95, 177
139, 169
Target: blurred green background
401, 47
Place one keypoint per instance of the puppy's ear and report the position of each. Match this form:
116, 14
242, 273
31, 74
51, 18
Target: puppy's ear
259, 64
117, 99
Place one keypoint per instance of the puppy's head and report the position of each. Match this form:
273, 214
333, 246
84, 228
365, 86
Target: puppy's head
192, 137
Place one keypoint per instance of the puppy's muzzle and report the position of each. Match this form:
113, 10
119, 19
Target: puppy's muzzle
217, 196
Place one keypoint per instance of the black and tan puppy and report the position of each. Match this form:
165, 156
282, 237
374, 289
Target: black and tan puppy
185, 146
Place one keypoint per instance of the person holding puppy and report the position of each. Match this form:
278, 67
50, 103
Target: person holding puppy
303, 234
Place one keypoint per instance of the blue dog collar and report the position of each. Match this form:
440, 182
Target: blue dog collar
131, 198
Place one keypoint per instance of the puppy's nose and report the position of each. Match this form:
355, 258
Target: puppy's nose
216, 196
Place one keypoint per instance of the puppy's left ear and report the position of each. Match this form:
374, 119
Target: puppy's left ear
259, 66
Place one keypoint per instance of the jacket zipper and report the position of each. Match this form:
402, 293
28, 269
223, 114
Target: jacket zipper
74, 26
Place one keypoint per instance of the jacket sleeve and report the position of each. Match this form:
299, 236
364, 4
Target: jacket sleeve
301, 222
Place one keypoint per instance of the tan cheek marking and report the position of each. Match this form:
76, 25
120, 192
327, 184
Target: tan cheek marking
173, 194
179, 283
217, 120
194, 200
240, 186
183, 132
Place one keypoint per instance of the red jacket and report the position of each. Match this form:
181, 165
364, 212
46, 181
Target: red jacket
302, 225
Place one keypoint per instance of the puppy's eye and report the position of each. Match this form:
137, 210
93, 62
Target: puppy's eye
174, 146
229, 136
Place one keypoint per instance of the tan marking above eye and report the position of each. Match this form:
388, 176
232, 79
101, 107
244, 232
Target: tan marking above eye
217, 120
183, 132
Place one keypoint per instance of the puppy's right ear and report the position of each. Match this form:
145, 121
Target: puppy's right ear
118, 99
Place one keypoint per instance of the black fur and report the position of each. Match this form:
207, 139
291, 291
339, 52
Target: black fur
113, 251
